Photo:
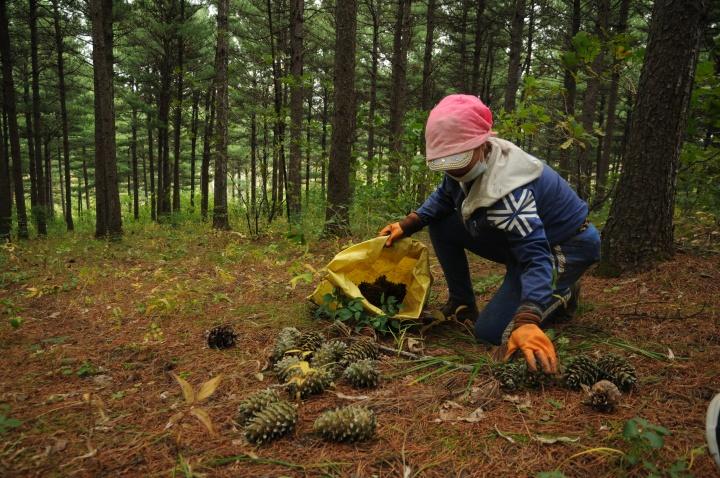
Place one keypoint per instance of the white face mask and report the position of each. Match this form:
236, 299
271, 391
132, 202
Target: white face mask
479, 168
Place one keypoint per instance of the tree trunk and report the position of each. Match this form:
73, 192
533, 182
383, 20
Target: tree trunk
63, 116
480, 10
639, 230
307, 148
264, 169
343, 131
5, 191
178, 113
85, 179
108, 221
323, 143
47, 174
133, 156
193, 143
296, 109
570, 85
41, 210
30, 145
375, 12
516, 40
594, 82
278, 126
220, 210
151, 150
60, 180
604, 163
401, 44
9, 106
205, 165
426, 95
253, 159
462, 83
528, 56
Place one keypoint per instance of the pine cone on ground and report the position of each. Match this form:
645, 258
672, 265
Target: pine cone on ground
311, 381
511, 375
286, 340
276, 420
310, 341
581, 371
255, 403
286, 368
537, 378
617, 370
329, 356
364, 348
348, 424
362, 374
604, 396
221, 337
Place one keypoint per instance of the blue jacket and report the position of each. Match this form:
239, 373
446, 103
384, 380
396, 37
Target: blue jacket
533, 218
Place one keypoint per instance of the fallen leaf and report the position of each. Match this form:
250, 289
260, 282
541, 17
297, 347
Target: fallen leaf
59, 445
549, 440
351, 397
208, 388
522, 403
259, 376
415, 345
503, 435
453, 412
670, 354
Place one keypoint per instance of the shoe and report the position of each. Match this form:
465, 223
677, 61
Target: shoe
566, 312
460, 312
712, 428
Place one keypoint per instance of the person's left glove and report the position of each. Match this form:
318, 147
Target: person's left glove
531, 340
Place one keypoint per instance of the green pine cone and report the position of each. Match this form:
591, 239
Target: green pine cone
286, 340
348, 424
311, 382
276, 420
364, 348
362, 374
511, 375
310, 341
329, 356
618, 371
255, 403
581, 371
286, 368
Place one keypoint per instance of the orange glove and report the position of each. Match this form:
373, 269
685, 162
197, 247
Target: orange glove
394, 231
534, 343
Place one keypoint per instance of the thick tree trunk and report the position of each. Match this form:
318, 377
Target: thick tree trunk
343, 131
570, 85
607, 141
134, 160
47, 174
10, 108
401, 44
639, 230
516, 40
220, 208
41, 211
193, 143
151, 152
375, 12
207, 137
594, 82
178, 114
323, 143
296, 110
63, 116
30, 144
426, 97
5, 190
108, 221
479, 11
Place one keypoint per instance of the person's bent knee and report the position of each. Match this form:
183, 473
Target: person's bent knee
487, 332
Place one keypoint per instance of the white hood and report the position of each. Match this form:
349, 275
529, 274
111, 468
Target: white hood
509, 167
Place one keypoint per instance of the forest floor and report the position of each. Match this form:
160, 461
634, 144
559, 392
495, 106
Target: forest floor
86, 386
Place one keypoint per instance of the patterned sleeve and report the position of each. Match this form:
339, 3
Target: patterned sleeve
516, 214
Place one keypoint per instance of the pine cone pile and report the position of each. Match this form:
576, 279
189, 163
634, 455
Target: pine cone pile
348, 424
221, 337
287, 367
364, 348
329, 355
276, 420
309, 341
362, 374
581, 371
617, 370
286, 340
310, 381
255, 403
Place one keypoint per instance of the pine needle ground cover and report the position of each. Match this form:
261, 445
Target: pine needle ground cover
92, 333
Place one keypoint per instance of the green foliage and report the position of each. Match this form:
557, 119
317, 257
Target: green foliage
644, 440
337, 306
87, 369
6, 422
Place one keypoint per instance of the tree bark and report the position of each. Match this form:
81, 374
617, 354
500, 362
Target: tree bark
108, 221
479, 11
220, 210
462, 83
86, 179
205, 165
10, 108
296, 110
30, 143
63, 116
41, 210
151, 152
337, 219
570, 84
375, 12
5, 190
134, 160
607, 146
639, 230
193, 143
513, 74
178, 113
426, 95
323, 143
401, 44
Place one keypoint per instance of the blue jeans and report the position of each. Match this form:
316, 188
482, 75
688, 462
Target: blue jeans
450, 239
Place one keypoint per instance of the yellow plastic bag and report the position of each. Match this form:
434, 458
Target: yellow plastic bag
406, 262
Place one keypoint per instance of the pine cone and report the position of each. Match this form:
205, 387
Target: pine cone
221, 337
329, 356
581, 371
511, 375
617, 370
362, 374
604, 396
255, 403
276, 420
310, 341
286, 368
286, 340
537, 378
348, 424
361, 349
310, 382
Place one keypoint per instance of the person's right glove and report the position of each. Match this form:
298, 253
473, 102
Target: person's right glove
532, 341
405, 228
